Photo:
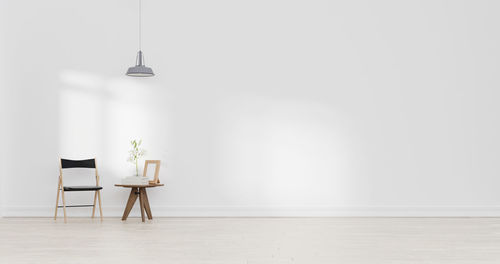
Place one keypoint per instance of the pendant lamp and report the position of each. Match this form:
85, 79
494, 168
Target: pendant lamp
140, 69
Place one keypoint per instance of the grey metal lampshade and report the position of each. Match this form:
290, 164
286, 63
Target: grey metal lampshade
140, 70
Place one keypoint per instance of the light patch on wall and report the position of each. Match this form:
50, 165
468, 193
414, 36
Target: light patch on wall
99, 117
81, 105
283, 153
130, 116
81, 80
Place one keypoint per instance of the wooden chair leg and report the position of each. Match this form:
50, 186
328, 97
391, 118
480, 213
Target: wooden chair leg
93, 208
57, 199
141, 202
100, 203
64, 205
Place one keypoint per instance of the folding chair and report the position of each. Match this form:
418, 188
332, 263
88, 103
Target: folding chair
70, 164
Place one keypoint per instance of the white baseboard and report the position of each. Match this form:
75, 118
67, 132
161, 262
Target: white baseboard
209, 211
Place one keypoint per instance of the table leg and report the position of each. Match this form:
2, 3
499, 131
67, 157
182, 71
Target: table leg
146, 205
130, 203
141, 202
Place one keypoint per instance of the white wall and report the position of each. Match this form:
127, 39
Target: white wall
258, 107
3, 110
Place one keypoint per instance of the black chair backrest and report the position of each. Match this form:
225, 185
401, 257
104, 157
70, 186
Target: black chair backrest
68, 164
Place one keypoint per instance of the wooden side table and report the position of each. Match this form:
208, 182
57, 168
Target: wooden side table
138, 191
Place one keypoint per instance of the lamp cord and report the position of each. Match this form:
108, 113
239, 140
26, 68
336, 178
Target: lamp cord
140, 23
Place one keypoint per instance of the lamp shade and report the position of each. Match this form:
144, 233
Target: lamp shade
140, 70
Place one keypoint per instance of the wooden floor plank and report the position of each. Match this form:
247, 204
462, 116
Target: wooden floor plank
251, 240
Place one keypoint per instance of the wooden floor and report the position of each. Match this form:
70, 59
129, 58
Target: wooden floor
251, 240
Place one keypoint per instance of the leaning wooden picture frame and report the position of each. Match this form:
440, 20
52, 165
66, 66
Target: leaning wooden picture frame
156, 179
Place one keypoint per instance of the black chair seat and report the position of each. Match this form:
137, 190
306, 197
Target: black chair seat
81, 188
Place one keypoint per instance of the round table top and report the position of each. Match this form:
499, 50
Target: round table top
139, 186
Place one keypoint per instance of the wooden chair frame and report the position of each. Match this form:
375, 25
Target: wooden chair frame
156, 179
60, 189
